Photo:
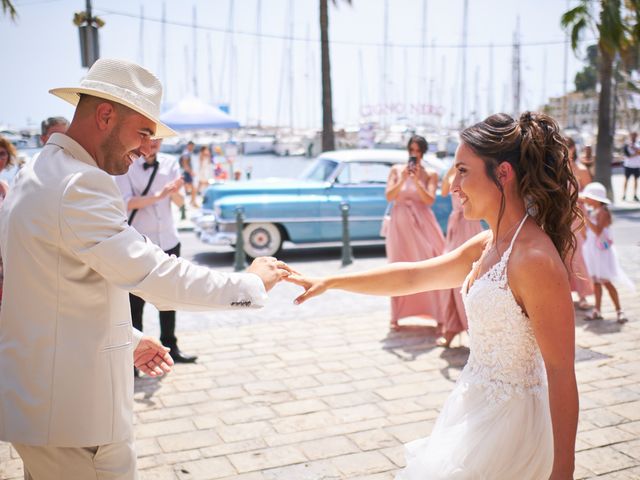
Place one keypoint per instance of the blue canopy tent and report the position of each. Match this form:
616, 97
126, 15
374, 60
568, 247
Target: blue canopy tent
191, 113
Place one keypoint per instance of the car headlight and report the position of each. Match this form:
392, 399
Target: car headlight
217, 211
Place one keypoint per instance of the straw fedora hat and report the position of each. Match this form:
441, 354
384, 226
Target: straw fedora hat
125, 83
595, 191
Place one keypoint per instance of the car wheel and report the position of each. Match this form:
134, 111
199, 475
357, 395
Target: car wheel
262, 240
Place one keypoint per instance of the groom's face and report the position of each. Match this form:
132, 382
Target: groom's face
128, 139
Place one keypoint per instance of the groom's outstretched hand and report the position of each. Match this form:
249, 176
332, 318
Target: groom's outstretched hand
312, 286
151, 357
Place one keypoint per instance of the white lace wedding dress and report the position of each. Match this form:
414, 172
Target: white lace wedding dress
496, 424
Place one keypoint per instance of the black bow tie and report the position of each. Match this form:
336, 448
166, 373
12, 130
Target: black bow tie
147, 165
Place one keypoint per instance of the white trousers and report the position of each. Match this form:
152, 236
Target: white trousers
115, 461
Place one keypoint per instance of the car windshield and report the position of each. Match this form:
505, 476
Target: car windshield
320, 170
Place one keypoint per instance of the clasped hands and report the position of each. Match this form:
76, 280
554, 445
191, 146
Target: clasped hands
153, 359
272, 270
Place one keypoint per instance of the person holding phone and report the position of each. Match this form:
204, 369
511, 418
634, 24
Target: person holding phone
414, 233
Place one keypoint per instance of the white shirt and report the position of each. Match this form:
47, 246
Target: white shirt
156, 220
634, 160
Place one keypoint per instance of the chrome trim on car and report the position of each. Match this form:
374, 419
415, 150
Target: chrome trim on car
218, 238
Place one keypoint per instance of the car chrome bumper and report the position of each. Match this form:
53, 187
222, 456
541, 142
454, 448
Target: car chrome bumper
218, 238
208, 231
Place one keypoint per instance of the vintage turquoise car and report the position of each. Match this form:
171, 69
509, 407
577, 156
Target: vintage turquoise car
308, 210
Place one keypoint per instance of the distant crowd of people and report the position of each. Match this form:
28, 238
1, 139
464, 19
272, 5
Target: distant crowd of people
213, 166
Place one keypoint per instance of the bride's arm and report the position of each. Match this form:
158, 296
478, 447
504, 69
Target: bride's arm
401, 278
540, 282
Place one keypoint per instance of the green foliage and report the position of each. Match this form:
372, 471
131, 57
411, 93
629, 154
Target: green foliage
586, 80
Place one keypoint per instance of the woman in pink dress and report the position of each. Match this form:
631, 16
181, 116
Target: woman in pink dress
414, 233
459, 230
578, 275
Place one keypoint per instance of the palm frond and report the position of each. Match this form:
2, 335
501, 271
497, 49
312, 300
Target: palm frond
7, 6
572, 16
576, 30
576, 20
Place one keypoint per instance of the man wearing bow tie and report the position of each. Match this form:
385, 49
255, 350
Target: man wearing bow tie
148, 188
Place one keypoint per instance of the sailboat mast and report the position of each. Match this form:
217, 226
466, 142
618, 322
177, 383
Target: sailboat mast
476, 95
490, 101
195, 52
425, 66
565, 119
361, 81
406, 81
432, 68
441, 93
186, 70
163, 50
463, 80
233, 61
307, 75
212, 97
544, 77
290, 63
259, 59
385, 49
141, 37
516, 80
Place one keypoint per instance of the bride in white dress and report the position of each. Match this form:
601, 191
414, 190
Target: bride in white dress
514, 410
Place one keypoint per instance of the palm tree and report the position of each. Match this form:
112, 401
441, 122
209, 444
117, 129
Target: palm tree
616, 34
328, 140
7, 6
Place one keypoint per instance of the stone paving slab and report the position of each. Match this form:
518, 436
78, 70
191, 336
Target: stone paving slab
336, 398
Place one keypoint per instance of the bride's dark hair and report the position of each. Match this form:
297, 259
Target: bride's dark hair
538, 153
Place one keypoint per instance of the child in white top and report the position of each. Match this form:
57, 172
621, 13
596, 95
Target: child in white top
599, 253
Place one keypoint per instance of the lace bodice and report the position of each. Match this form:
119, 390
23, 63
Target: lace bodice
504, 353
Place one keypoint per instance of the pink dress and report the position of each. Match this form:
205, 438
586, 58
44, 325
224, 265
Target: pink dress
459, 230
414, 235
578, 275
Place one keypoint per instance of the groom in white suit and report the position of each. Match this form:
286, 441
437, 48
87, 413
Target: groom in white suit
67, 346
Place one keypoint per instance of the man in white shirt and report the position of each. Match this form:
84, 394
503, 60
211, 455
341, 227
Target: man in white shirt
151, 215
52, 125
631, 165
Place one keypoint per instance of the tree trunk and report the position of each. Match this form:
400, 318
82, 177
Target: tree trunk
328, 141
604, 148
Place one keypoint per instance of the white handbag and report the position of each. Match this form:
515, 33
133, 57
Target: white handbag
386, 221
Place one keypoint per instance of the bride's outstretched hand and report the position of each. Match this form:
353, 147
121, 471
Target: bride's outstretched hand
312, 286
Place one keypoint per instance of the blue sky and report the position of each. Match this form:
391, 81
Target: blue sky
41, 51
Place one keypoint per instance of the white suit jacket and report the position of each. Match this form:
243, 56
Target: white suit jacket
66, 340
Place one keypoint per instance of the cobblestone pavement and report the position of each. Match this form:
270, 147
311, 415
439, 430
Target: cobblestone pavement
337, 397
326, 391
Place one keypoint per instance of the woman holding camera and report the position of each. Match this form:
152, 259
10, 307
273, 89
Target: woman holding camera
414, 233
